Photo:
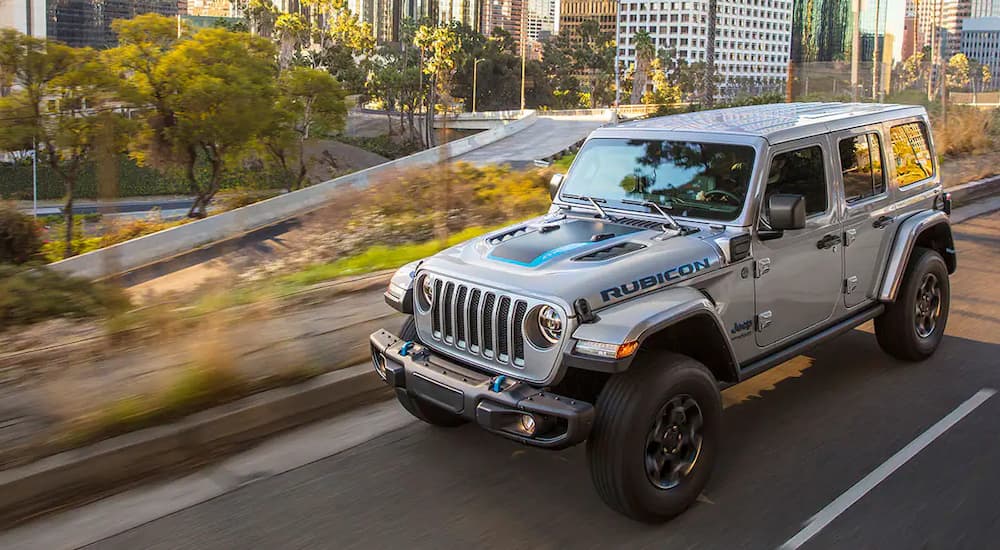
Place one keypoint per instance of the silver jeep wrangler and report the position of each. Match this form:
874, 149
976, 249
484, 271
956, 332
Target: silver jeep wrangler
681, 255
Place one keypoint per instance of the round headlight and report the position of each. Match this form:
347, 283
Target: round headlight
427, 289
550, 324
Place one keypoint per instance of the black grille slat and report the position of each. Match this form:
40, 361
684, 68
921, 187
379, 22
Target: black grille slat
449, 291
503, 324
519, 311
474, 319
460, 312
436, 309
488, 304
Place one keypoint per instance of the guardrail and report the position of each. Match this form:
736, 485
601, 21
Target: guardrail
129, 255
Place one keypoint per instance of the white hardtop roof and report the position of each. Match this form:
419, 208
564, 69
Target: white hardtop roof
776, 122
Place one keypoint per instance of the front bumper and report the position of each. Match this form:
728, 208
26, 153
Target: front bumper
415, 372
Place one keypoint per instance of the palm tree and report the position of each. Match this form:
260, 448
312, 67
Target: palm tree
645, 52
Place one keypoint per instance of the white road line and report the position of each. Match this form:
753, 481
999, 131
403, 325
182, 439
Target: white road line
878, 475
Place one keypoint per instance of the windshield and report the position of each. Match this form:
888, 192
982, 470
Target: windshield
687, 179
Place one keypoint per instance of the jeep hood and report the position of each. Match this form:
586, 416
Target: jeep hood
562, 259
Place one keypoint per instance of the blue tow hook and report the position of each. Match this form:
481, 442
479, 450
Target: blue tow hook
405, 350
496, 388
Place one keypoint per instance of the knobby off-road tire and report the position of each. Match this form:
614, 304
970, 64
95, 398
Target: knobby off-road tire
636, 411
911, 328
424, 411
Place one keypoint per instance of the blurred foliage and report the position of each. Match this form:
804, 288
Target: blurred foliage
113, 231
20, 241
384, 145
36, 294
377, 258
965, 130
420, 204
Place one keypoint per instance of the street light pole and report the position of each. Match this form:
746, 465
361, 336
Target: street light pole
618, 76
34, 177
475, 76
524, 49
855, 48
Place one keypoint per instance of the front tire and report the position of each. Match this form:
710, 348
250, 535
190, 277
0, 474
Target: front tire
911, 328
655, 436
426, 412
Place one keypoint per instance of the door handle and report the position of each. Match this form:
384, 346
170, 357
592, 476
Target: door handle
828, 241
882, 222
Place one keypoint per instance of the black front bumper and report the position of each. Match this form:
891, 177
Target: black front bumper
419, 373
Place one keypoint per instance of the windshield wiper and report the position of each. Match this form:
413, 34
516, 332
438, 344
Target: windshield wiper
650, 204
592, 201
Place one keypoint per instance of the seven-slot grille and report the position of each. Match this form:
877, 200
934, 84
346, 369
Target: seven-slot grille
479, 321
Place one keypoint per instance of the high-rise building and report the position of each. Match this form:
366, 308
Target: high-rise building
24, 16
954, 12
542, 20
751, 42
463, 11
821, 31
88, 22
981, 42
503, 14
985, 8
572, 13
210, 8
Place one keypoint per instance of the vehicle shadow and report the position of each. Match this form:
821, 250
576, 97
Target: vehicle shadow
794, 438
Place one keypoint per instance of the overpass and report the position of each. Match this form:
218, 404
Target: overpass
516, 138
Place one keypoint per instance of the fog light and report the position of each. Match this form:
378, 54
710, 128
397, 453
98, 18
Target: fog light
528, 425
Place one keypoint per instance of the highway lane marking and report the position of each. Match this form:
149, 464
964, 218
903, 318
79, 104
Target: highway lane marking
825, 516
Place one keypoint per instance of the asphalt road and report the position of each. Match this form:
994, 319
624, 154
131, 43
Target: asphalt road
797, 438
546, 137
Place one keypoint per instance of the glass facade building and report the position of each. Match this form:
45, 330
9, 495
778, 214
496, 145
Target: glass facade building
88, 22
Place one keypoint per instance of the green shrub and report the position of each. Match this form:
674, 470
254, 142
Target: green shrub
19, 236
32, 295
384, 145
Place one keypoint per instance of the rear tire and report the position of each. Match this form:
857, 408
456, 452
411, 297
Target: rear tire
647, 459
431, 414
911, 328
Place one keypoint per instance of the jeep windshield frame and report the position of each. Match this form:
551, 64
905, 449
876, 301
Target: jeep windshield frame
693, 179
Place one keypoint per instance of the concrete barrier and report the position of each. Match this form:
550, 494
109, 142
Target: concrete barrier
130, 255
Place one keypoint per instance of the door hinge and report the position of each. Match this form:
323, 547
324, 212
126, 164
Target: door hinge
760, 267
850, 284
849, 236
763, 320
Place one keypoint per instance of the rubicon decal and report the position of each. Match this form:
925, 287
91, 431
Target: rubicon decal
654, 280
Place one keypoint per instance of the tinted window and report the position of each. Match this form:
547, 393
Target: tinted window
912, 153
861, 162
688, 179
800, 172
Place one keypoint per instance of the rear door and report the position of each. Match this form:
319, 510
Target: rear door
868, 222
798, 275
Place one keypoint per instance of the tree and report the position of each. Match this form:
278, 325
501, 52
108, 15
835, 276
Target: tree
293, 32
61, 106
310, 103
957, 71
438, 46
595, 57
663, 91
645, 52
207, 100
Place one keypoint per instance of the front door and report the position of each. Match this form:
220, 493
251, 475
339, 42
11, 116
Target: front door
798, 275
868, 222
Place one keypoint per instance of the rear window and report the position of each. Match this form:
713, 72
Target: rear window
912, 153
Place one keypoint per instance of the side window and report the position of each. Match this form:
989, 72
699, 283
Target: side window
912, 153
799, 172
861, 162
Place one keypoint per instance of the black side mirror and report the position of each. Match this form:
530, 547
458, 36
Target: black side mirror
784, 211
554, 184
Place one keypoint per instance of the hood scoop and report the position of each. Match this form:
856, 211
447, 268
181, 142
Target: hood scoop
610, 252
530, 247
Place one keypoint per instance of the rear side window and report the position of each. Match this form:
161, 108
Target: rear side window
861, 162
912, 153
800, 172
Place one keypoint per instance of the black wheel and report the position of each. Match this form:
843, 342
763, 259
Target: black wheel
912, 327
655, 436
424, 411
